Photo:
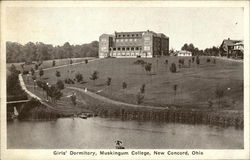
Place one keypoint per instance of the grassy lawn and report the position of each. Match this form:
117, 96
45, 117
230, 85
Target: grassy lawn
196, 85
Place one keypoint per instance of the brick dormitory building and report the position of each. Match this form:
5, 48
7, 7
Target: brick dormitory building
133, 44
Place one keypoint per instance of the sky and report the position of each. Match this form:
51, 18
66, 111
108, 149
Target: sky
204, 27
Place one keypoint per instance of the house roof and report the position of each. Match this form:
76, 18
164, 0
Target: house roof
230, 42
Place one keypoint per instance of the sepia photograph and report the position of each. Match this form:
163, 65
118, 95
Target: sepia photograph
124, 79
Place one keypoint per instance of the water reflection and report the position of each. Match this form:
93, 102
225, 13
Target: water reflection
97, 133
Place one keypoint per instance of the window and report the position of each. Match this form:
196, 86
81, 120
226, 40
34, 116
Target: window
121, 40
123, 48
128, 35
119, 48
137, 35
123, 35
114, 49
126, 40
127, 48
135, 40
119, 35
130, 40
146, 48
103, 40
137, 48
118, 40
133, 35
132, 48
146, 38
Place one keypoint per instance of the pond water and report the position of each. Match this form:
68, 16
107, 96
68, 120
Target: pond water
100, 133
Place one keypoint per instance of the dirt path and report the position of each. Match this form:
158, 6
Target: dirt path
107, 100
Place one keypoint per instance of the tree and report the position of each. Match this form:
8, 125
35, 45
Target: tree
54, 93
142, 89
197, 60
68, 50
58, 74
139, 98
41, 72
124, 85
148, 67
79, 77
108, 81
73, 99
32, 71
53, 63
173, 68
60, 84
94, 76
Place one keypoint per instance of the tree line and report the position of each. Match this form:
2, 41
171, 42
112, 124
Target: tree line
211, 51
16, 52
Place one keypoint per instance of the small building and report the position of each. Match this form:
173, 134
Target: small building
146, 44
231, 48
184, 53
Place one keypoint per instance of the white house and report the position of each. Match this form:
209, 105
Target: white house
184, 53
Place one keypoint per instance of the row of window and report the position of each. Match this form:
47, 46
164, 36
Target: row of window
131, 54
126, 40
128, 35
126, 48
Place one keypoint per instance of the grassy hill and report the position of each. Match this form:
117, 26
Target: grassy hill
196, 86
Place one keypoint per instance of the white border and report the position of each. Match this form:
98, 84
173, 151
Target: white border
48, 154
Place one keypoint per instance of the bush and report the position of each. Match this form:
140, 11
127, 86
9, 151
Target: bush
53, 63
69, 81
139, 98
197, 60
192, 59
142, 89
208, 60
140, 61
173, 68
79, 77
25, 72
108, 81
60, 84
58, 74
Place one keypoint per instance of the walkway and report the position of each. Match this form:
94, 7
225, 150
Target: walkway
107, 100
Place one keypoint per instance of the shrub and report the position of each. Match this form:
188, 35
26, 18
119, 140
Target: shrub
108, 81
94, 76
60, 84
142, 89
53, 63
140, 61
25, 72
197, 60
79, 77
69, 81
41, 72
139, 98
58, 74
173, 68
148, 67
124, 85
192, 59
